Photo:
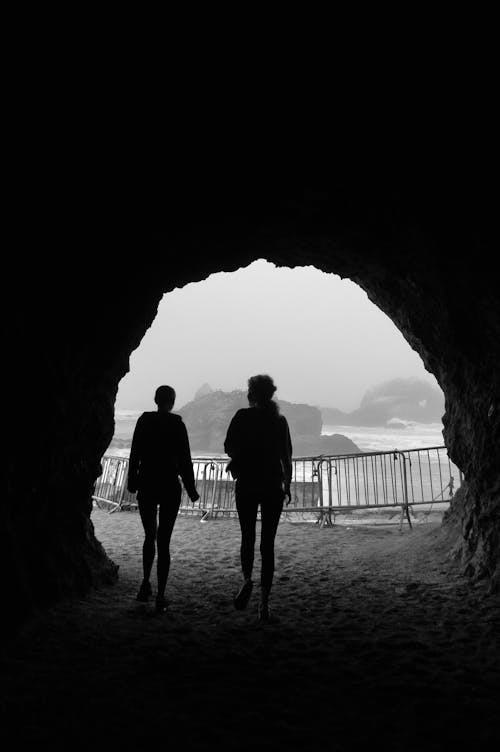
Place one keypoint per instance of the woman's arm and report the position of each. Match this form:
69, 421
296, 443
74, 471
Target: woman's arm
186, 464
135, 455
286, 457
232, 441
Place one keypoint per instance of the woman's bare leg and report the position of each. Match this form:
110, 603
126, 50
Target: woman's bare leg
271, 509
148, 512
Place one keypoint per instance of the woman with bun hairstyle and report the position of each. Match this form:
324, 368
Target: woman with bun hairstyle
259, 445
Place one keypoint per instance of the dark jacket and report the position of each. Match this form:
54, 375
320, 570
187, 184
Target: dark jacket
259, 444
159, 454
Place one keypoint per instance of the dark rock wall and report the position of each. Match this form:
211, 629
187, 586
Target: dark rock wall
82, 305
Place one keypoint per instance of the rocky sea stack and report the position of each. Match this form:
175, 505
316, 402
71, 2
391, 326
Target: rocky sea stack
207, 418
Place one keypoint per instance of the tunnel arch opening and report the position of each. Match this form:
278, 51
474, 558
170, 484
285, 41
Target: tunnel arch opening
324, 342
327, 346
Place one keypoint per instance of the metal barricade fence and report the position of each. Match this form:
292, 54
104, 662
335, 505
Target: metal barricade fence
322, 485
110, 487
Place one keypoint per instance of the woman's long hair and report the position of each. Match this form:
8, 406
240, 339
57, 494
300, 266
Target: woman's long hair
261, 389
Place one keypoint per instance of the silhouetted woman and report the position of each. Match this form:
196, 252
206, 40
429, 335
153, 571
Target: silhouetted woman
159, 454
258, 442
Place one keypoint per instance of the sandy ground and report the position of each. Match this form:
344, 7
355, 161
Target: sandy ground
376, 643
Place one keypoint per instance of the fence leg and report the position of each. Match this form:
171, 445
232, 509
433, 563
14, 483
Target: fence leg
123, 489
212, 513
325, 518
405, 510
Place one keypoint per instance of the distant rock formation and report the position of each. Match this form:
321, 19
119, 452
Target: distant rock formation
207, 419
335, 443
203, 391
402, 399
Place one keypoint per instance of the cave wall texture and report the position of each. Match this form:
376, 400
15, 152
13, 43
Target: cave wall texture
79, 300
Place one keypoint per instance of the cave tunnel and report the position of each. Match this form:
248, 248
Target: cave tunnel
81, 302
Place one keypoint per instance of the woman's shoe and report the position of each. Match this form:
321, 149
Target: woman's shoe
241, 600
144, 592
264, 612
161, 605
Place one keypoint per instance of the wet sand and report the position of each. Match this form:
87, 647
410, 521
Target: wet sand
377, 642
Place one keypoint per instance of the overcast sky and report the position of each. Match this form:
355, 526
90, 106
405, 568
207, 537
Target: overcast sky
318, 336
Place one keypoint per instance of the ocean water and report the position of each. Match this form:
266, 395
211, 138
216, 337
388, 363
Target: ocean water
125, 421
367, 438
381, 439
